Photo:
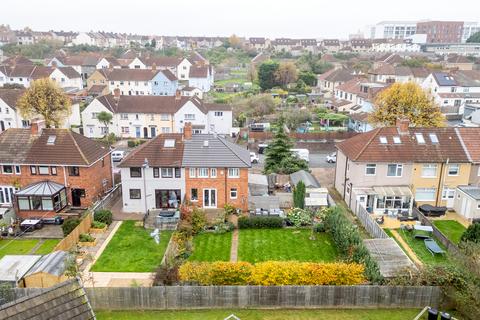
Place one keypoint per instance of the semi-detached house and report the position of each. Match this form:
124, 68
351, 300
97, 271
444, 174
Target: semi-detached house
65, 77
206, 170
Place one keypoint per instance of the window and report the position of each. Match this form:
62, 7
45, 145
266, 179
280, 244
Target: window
189, 116
394, 170
233, 172
169, 143
425, 194
233, 193
420, 138
165, 117
94, 115
43, 170
17, 170
383, 140
135, 172
53, 171
448, 193
165, 130
429, 170
167, 172
73, 171
124, 116
7, 169
156, 173
194, 194
125, 129
135, 194
218, 114
203, 172
178, 172
33, 170
192, 173
433, 138
51, 140
213, 173
453, 169
370, 169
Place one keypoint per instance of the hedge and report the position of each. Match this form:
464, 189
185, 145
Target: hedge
271, 273
260, 222
349, 243
104, 216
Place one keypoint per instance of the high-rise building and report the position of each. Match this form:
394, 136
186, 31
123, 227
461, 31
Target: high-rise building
391, 30
441, 31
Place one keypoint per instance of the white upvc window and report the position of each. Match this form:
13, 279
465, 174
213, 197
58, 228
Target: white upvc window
193, 172
429, 170
425, 194
233, 172
203, 172
370, 169
165, 117
453, 169
394, 170
213, 173
189, 116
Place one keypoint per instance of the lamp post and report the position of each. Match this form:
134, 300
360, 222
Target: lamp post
145, 166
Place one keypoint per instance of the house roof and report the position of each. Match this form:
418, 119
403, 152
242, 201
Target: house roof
162, 61
368, 146
134, 74
66, 300
199, 71
147, 104
219, 153
157, 154
69, 148
455, 58
17, 60
11, 96
308, 179
69, 72
337, 75
96, 89
14, 267
53, 263
444, 79
469, 138
41, 188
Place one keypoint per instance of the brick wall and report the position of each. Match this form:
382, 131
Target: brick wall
222, 184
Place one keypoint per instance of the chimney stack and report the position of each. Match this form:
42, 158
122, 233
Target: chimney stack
116, 94
402, 125
54, 64
36, 126
178, 94
187, 131
154, 66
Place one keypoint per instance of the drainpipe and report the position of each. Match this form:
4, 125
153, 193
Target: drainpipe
345, 178
440, 183
225, 193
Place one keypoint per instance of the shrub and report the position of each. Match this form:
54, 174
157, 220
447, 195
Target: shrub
350, 244
69, 224
319, 227
104, 216
224, 227
260, 222
166, 276
299, 195
198, 220
229, 210
299, 217
85, 237
472, 233
98, 225
272, 273
134, 143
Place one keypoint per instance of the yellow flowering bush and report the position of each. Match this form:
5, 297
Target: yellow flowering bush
271, 273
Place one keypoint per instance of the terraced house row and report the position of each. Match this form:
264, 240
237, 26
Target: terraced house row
393, 168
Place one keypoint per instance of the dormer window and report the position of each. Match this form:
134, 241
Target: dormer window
397, 140
420, 138
383, 140
433, 138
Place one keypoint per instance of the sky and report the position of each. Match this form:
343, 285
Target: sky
247, 18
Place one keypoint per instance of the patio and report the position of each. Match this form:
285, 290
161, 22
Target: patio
389, 200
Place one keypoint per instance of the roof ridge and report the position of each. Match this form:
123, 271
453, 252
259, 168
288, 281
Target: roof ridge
464, 147
78, 147
367, 144
248, 164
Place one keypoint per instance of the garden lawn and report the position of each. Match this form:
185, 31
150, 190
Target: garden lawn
418, 246
132, 249
256, 245
251, 314
210, 246
452, 229
17, 246
47, 246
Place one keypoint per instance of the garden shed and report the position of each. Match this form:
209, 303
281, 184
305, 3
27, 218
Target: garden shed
48, 271
257, 184
308, 179
14, 267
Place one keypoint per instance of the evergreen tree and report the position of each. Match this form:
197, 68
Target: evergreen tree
267, 72
299, 195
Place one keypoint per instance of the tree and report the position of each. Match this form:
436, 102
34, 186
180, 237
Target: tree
266, 74
279, 158
472, 233
105, 118
285, 74
474, 38
329, 117
407, 100
299, 195
153, 43
45, 98
308, 77
251, 73
234, 41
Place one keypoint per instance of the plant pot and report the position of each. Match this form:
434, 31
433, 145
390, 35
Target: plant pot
98, 230
87, 244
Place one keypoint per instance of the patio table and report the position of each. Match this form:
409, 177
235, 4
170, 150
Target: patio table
423, 228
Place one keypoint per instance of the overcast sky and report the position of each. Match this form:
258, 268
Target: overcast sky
250, 18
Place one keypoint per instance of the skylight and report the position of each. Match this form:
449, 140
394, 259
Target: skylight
420, 138
433, 138
51, 140
383, 140
169, 143
397, 140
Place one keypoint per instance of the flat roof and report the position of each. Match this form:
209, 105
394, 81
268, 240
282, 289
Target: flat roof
14, 267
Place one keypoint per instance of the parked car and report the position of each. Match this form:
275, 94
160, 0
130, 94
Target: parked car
332, 158
303, 154
254, 157
262, 147
118, 155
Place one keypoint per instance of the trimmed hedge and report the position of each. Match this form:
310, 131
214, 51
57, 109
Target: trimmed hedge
104, 216
272, 273
69, 224
260, 222
349, 243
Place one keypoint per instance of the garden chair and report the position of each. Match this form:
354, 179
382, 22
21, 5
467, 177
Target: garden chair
433, 247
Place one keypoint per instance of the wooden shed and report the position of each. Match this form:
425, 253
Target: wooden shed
48, 271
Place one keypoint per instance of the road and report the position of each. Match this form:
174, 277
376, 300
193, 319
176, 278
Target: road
317, 160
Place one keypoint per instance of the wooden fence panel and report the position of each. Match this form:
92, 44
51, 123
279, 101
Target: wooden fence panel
370, 224
70, 240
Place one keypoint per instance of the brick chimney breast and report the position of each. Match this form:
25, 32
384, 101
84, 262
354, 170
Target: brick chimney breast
187, 131
402, 125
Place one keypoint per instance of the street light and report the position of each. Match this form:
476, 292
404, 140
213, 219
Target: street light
145, 166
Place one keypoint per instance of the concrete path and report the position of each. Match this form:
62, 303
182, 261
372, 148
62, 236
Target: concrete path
35, 248
407, 248
234, 248
118, 279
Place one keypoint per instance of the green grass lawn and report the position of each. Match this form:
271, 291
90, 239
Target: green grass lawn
418, 246
233, 80
211, 247
17, 246
251, 314
47, 246
452, 229
132, 249
256, 245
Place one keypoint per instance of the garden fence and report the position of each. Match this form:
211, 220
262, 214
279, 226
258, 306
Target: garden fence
370, 224
108, 201
72, 238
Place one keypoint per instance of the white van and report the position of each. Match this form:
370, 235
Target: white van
118, 155
302, 154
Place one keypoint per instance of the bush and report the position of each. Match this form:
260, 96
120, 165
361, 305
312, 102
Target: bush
135, 143
272, 273
229, 210
85, 237
166, 276
224, 227
69, 224
299, 195
319, 227
260, 222
104, 216
98, 225
350, 244
198, 220
472, 233
299, 217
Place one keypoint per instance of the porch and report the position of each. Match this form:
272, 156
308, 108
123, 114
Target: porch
391, 201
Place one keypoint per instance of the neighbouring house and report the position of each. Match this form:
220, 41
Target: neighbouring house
328, 81
51, 169
192, 92
459, 62
85, 64
66, 77
205, 169
10, 116
148, 116
467, 202
389, 168
134, 82
179, 66
201, 77
259, 44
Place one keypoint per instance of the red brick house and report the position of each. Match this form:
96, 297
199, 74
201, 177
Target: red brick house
50, 169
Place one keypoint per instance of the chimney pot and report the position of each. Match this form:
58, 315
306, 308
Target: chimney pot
402, 125
187, 131
178, 95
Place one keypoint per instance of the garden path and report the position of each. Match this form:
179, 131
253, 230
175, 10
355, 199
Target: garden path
35, 248
407, 248
234, 248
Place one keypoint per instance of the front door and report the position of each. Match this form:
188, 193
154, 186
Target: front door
77, 195
153, 132
145, 132
209, 198
137, 132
